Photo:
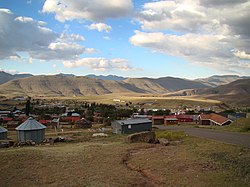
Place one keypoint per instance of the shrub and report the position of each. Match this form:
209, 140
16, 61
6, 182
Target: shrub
172, 136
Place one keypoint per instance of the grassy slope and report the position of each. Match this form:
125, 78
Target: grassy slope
99, 162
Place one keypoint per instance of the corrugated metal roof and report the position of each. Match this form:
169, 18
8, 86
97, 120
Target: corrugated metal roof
134, 121
30, 124
2, 129
214, 117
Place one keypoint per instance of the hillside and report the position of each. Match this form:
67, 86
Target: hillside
218, 80
106, 77
5, 77
58, 85
165, 84
236, 93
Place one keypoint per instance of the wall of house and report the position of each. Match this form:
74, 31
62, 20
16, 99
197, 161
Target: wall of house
133, 128
157, 121
3, 136
34, 135
204, 122
170, 122
116, 127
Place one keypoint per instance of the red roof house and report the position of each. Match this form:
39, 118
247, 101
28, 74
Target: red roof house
213, 119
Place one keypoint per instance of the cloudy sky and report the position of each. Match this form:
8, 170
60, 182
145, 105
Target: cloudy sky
180, 38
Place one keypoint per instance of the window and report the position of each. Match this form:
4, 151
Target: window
129, 126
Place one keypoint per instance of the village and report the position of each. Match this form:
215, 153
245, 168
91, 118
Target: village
29, 118
73, 142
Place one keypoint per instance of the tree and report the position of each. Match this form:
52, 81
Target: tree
27, 107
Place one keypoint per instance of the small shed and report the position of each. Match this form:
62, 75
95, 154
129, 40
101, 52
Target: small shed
158, 120
31, 130
3, 133
131, 126
170, 121
83, 123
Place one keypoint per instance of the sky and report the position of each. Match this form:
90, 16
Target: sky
140, 38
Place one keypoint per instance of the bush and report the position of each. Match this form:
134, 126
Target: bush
172, 136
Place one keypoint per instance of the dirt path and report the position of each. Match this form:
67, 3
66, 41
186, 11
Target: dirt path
149, 179
225, 137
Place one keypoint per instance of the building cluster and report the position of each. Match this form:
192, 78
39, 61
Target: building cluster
33, 126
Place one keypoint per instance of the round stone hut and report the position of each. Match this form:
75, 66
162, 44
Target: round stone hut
31, 130
3, 133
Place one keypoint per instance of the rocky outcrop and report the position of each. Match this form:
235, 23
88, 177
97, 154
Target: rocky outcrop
147, 137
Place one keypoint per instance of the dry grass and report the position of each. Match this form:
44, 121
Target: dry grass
89, 161
157, 101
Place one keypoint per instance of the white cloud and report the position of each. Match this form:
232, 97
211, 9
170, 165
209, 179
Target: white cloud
213, 33
206, 50
30, 61
10, 71
100, 27
95, 10
106, 38
24, 34
100, 64
242, 55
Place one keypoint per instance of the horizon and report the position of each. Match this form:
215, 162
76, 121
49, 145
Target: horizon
188, 39
118, 75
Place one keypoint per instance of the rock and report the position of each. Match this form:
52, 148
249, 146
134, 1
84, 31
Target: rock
177, 142
147, 137
164, 141
99, 134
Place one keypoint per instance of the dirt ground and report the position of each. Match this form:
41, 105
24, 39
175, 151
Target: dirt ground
110, 161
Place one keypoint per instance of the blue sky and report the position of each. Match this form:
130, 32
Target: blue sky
188, 39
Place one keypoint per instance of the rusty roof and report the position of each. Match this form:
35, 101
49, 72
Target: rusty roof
214, 117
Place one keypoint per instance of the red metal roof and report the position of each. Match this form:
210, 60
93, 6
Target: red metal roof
214, 117
7, 119
158, 117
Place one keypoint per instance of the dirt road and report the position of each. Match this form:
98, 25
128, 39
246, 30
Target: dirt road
226, 137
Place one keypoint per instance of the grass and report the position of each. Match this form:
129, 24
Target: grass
98, 161
157, 101
240, 125
172, 136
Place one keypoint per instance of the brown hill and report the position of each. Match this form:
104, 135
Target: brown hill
58, 85
234, 93
164, 84
5, 77
218, 80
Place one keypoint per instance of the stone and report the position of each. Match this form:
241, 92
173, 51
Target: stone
99, 134
174, 143
147, 137
164, 141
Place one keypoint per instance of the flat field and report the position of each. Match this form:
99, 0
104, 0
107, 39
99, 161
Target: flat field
110, 161
148, 101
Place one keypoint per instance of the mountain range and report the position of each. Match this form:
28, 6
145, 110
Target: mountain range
60, 85
5, 77
231, 88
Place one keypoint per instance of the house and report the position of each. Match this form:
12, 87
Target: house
235, 116
158, 120
83, 123
213, 119
131, 126
185, 118
170, 120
